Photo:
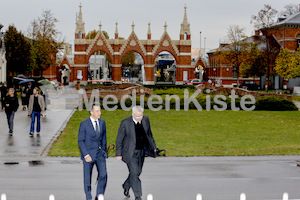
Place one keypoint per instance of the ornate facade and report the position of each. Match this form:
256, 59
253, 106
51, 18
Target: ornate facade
117, 48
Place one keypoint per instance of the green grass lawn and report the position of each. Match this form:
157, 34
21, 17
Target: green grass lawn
202, 133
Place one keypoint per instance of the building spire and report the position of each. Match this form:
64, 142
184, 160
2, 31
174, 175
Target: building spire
185, 26
100, 26
149, 29
80, 29
132, 26
116, 31
149, 32
165, 26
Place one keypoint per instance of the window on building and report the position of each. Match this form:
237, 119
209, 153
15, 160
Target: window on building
80, 35
185, 36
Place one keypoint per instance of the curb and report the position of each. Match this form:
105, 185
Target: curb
54, 138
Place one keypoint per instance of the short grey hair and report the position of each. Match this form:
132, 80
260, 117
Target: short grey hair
137, 108
12, 89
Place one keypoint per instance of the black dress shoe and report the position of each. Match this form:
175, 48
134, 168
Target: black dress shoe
96, 198
126, 192
138, 198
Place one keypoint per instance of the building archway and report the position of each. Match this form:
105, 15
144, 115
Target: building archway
165, 68
133, 67
99, 66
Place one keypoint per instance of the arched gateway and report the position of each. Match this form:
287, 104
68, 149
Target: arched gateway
116, 49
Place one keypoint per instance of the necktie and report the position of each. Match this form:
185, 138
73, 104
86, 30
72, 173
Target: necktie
97, 129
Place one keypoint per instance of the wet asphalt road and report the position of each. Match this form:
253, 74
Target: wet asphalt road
26, 173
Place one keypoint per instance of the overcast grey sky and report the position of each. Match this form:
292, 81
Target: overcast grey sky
211, 17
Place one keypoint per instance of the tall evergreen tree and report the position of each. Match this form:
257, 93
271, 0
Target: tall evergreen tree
18, 51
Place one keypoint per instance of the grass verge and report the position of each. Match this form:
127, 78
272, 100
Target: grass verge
201, 133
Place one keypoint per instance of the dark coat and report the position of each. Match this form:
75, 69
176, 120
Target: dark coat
13, 104
126, 138
88, 141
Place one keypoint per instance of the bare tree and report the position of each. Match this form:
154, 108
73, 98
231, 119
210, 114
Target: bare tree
263, 21
45, 40
289, 9
231, 53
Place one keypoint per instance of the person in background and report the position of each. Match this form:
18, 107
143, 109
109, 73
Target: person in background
36, 108
23, 97
29, 92
3, 94
11, 106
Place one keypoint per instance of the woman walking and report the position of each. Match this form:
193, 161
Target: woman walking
11, 106
36, 108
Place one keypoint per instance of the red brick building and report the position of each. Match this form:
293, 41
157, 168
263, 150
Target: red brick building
285, 33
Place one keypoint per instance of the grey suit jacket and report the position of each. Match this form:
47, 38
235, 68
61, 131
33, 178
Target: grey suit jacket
41, 102
126, 139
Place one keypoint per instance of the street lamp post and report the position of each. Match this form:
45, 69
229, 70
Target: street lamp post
200, 46
214, 76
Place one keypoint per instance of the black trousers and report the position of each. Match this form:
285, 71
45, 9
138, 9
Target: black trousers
135, 169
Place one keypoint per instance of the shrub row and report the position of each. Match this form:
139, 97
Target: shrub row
265, 103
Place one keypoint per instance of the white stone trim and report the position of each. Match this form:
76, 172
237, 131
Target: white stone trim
80, 41
149, 66
185, 54
80, 53
185, 42
116, 65
80, 65
149, 54
287, 39
117, 53
185, 66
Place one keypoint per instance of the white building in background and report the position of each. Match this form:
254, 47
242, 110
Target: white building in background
3, 67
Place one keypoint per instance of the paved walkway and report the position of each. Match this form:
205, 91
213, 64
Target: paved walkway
297, 103
27, 173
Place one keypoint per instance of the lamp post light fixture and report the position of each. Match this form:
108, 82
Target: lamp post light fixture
200, 46
214, 76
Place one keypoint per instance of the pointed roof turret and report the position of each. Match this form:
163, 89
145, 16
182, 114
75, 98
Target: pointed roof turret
79, 23
149, 32
116, 31
185, 26
132, 26
165, 26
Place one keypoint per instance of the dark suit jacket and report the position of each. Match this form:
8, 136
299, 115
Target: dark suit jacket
126, 138
88, 141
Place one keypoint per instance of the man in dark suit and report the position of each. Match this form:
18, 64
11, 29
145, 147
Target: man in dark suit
133, 140
92, 144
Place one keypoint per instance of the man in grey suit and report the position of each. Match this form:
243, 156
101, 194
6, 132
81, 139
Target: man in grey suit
134, 139
92, 145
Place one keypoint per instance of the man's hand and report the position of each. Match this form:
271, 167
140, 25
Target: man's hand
88, 158
119, 157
